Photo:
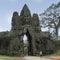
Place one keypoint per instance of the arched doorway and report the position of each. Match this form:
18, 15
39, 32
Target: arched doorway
27, 38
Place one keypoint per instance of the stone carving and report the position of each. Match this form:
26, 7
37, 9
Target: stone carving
12, 42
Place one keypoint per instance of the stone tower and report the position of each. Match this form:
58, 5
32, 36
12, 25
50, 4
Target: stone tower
25, 23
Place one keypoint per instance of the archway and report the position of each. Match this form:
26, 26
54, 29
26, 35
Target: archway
27, 38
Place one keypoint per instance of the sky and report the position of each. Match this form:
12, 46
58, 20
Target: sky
7, 7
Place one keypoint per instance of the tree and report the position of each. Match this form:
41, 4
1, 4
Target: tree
50, 18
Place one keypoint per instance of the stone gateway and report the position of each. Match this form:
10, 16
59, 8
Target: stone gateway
11, 42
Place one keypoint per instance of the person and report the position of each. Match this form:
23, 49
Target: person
41, 53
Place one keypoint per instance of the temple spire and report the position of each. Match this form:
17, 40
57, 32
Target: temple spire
25, 15
25, 10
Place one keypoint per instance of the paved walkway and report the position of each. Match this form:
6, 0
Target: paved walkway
35, 58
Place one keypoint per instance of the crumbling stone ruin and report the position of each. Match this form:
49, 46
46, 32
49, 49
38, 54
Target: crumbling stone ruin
11, 42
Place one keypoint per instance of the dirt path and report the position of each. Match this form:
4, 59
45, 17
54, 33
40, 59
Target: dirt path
35, 58
54, 57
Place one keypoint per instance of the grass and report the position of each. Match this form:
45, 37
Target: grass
54, 56
57, 53
3, 57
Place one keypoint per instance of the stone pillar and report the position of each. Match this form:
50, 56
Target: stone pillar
33, 45
22, 46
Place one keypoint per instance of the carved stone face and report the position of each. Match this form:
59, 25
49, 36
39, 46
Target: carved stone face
25, 30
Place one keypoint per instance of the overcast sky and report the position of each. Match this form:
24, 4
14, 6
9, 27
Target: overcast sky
7, 7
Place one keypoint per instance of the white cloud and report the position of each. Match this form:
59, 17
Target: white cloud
5, 23
1, 29
8, 21
9, 18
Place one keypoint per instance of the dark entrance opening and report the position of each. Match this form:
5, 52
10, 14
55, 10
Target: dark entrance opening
27, 38
25, 44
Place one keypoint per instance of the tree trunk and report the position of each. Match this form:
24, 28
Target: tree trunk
56, 33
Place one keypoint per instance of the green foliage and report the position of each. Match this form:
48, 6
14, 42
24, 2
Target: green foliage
4, 57
57, 52
57, 43
25, 50
16, 44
